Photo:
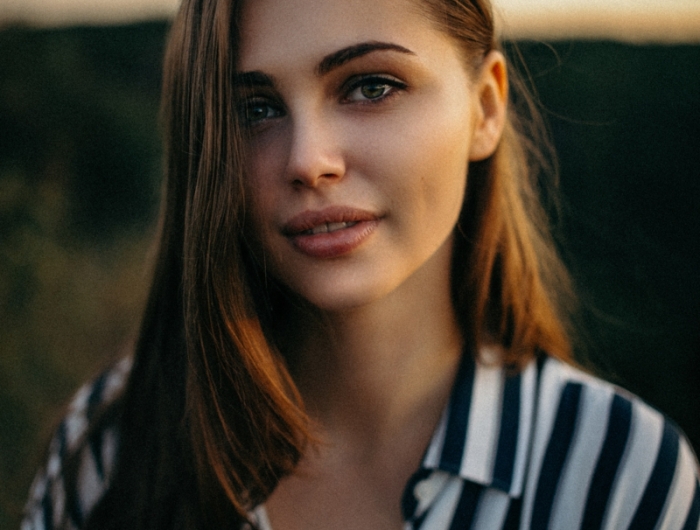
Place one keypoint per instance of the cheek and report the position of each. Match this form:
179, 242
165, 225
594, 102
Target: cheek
424, 162
259, 214
264, 161
263, 170
442, 152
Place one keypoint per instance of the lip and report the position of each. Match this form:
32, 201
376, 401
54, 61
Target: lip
307, 230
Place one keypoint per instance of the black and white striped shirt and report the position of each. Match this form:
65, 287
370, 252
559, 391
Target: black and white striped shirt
552, 448
549, 447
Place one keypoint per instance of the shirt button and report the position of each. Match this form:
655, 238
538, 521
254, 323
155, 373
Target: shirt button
427, 489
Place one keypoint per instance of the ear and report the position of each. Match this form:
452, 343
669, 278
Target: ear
491, 90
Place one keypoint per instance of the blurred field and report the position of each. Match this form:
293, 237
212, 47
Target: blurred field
79, 180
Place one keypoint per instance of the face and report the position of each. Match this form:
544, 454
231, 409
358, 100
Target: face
362, 118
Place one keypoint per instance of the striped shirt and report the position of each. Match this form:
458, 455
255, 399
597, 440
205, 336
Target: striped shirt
549, 447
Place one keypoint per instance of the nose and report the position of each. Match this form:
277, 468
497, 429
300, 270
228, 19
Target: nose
315, 153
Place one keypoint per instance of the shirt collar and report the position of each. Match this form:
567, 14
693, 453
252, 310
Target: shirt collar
485, 430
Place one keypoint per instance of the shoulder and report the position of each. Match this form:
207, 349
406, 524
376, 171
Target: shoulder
82, 448
602, 458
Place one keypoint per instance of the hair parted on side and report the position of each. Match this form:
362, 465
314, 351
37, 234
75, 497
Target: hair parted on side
211, 419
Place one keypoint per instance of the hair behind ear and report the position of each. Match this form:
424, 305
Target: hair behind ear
509, 284
491, 86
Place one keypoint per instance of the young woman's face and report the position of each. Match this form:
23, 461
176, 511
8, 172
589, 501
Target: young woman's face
362, 118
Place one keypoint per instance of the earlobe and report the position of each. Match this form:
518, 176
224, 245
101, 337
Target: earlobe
492, 92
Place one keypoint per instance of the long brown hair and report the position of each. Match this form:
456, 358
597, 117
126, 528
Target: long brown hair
211, 420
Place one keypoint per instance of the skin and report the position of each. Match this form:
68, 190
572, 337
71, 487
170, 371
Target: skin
389, 132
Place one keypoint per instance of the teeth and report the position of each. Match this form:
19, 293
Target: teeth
332, 227
320, 229
329, 227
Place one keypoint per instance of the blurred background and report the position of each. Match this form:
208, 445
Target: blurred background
80, 173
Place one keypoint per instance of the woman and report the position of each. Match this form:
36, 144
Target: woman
356, 318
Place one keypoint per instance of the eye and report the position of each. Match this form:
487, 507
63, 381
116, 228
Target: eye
373, 88
257, 110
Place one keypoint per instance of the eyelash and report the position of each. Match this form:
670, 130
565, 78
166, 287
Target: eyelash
249, 104
390, 87
390, 83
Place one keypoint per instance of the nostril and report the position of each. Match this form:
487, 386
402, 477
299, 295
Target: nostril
315, 155
312, 182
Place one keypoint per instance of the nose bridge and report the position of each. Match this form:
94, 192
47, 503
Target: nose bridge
315, 154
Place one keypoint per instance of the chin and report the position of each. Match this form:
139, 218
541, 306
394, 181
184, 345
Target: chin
339, 297
339, 302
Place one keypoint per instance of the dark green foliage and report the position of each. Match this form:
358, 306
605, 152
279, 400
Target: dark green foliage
79, 173
626, 124
79, 106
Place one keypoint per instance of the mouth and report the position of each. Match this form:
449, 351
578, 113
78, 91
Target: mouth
326, 220
331, 232
327, 228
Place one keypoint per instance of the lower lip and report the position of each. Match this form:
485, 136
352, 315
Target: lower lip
334, 244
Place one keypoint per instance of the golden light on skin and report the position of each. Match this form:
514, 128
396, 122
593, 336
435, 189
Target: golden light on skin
626, 20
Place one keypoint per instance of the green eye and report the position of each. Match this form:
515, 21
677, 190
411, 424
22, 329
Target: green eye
256, 111
373, 90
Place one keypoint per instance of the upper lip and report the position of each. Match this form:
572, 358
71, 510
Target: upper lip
310, 219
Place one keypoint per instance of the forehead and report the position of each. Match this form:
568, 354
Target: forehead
273, 32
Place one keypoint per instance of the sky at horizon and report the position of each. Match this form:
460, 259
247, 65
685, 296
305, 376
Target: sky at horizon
632, 20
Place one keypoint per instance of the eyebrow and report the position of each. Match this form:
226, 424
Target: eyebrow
344, 55
328, 63
253, 79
